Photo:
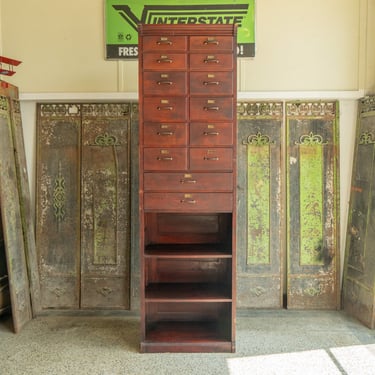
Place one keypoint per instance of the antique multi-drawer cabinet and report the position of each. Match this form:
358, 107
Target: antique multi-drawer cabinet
187, 93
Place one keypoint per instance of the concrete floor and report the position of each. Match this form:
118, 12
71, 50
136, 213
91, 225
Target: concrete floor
268, 342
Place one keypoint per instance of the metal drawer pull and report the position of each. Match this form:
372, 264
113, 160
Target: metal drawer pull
164, 158
207, 61
211, 41
165, 83
164, 42
189, 201
165, 133
215, 108
165, 108
183, 181
164, 60
211, 133
215, 158
206, 83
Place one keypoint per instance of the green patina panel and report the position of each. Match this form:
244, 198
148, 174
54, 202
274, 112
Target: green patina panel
258, 199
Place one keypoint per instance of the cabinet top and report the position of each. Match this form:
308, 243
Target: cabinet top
187, 29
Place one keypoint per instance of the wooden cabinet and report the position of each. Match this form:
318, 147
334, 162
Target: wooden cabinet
187, 86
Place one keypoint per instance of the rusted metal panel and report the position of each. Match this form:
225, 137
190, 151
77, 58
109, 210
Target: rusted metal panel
359, 266
12, 223
25, 204
259, 209
105, 200
58, 204
312, 205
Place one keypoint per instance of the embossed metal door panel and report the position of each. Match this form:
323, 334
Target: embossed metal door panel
105, 201
12, 223
58, 204
359, 267
312, 205
259, 206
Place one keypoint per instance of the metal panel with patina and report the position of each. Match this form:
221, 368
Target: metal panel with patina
359, 267
312, 205
259, 210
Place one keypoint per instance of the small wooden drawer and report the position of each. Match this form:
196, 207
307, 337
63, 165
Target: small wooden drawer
209, 159
211, 134
164, 61
217, 61
164, 43
211, 83
189, 202
211, 109
165, 134
190, 182
165, 159
164, 83
211, 43
165, 109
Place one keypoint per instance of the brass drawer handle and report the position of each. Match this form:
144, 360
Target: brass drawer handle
164, 60
207, 83
208, 61
165, 83
211, 108
189, 201
165, 133
211, 133
214, 158
211, 41
184, 181
162, 42
164, 108
164, 158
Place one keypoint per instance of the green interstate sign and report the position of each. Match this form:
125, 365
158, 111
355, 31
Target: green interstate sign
123, 17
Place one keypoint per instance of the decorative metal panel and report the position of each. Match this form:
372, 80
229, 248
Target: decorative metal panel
259, 223
359, 267
312, 205
12, 223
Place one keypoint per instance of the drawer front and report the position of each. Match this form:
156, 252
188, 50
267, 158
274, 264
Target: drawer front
190, 182
217, 61
164, 159
211, 134
211, 83
166, 61
189, 202
165, 109
164, 83
209, 159
156, 134
211, 43
164, 43
211, 109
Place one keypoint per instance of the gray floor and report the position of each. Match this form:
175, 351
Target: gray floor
268, 342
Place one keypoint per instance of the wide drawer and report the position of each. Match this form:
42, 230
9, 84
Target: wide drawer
164, 43
165, 134
211, 134
165, 159
164, 61
211, 83
217, 61
211, 109
189, 202
208, 159
211, 43
164, 83
191, 182
165, 109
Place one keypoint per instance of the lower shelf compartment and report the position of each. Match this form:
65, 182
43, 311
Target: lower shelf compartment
176, 337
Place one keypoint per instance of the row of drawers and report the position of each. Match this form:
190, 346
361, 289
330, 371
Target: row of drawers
182, 134
183, 159
191, 43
